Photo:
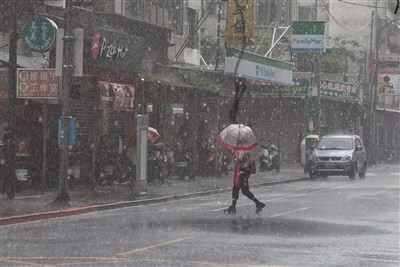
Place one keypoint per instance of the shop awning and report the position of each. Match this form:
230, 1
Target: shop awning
25, 61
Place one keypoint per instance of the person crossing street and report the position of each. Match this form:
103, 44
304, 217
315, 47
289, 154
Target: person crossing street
241, 176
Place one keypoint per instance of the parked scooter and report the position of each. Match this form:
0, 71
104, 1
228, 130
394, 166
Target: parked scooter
78, 158
157, 164
23, 163
269, 158
226, 163
185, 162
106, 161
209, 164
2, 168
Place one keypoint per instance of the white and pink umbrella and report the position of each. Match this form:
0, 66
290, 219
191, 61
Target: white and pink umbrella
237, 137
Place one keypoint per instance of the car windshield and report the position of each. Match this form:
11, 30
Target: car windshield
335, 143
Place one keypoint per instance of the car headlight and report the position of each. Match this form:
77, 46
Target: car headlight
347, 158
313, 157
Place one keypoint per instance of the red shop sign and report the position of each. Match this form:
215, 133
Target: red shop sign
38, 83
115, 96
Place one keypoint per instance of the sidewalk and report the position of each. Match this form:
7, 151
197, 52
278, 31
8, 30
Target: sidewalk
33, 205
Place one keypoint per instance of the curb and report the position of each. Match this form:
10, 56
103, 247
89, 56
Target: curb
88, 209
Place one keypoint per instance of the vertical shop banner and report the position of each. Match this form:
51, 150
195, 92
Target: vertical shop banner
38, 83
115, 97
239, 21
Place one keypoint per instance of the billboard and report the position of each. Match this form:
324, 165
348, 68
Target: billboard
388, 84
115, 96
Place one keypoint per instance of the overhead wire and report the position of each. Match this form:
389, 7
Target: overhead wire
357, 4
200, 22
343, 27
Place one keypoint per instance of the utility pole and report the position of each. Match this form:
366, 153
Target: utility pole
218, 36
67, 72
12, 97
317, 116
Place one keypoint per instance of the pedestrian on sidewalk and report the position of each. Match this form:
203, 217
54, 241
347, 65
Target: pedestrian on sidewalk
241, 175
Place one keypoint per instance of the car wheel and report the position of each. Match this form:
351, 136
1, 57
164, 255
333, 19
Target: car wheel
363, 172
352, 171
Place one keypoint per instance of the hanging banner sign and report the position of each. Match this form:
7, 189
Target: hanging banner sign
339, 90
255, 67
115, 97
38, 83
239, 21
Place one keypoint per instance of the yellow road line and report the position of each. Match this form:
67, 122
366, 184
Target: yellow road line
288, 212
154, 246
24, 262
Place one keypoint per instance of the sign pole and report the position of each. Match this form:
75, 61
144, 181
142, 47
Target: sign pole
67, 72
12, 125
44, 187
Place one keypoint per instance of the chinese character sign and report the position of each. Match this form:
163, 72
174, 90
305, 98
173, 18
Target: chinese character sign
339, 90
239, 21
38, 83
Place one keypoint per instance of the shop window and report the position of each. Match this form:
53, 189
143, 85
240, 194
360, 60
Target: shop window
75, 91
192, 23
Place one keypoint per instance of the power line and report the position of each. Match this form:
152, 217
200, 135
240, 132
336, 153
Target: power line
357, 4
343, 27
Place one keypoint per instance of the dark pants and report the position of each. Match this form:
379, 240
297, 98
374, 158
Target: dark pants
243, 185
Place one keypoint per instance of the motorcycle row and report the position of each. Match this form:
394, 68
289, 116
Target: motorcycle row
114, 163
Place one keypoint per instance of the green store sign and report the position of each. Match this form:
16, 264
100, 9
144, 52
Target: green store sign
39, 34
298, 89
339, 90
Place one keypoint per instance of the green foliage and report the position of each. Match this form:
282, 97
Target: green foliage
334, 60
209, 51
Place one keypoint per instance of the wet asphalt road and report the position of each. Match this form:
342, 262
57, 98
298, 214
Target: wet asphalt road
325, 222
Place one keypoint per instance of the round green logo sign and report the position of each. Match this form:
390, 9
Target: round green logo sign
39, 34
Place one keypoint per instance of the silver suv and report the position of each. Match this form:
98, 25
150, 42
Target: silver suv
339, 155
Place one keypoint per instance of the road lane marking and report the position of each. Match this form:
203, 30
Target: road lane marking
128, 261
124, 254
288, 212
368, 195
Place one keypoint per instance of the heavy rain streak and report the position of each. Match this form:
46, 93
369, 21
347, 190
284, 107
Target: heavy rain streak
199, 133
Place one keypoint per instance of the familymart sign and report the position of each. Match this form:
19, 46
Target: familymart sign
255, 67
308, 36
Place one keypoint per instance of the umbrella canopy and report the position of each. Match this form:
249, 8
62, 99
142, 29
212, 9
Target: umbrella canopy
237, 137
152, 136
